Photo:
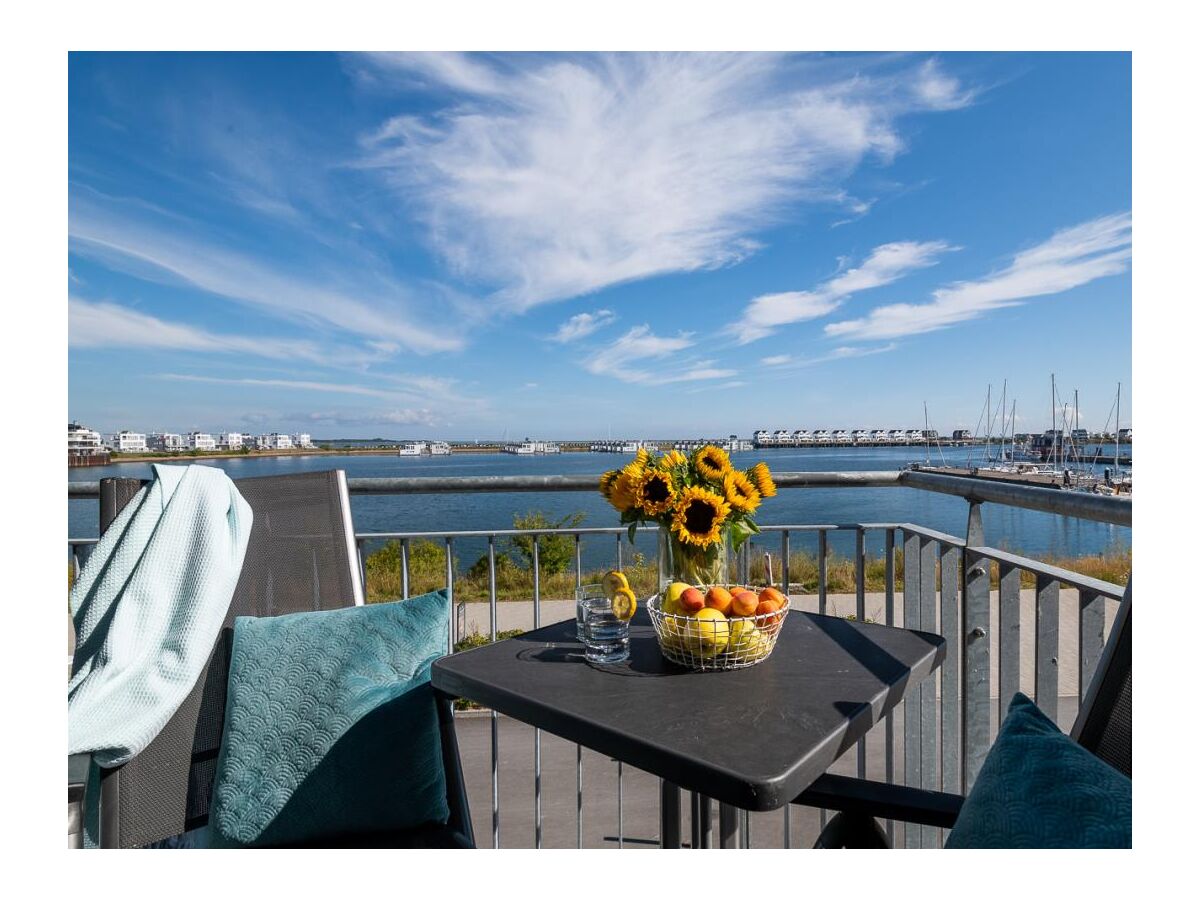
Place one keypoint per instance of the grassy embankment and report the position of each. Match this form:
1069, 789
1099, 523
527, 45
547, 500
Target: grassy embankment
427, 571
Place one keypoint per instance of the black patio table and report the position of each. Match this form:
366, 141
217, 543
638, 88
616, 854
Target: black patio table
752, 738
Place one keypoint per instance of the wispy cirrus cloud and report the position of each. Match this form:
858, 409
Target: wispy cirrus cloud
626, 357
568, 174
886, 264
1070, 258
583, 324
101, 324
369, 306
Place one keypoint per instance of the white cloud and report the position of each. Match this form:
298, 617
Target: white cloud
573, 173
886, 264
837, 353
1070, 258
407, 390
343, 417
371, 307
778, 360
582, 325
99, 324
624, 357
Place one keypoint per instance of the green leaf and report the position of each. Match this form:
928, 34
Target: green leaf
632, 530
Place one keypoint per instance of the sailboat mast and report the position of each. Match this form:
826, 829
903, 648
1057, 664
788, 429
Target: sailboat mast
1053, 421
1117, 447
987, 445
925, 403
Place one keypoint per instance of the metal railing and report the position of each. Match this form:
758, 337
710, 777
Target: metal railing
947, 721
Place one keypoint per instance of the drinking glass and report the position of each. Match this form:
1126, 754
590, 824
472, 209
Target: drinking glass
605, 637
582, 593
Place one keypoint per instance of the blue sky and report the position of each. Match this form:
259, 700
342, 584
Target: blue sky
577, 245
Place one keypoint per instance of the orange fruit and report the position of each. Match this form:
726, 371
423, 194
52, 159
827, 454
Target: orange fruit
719, 599
744, 603
691, 600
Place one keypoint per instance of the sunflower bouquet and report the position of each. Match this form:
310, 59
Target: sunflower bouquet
704, 507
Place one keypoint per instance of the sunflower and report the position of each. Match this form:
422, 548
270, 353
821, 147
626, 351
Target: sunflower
712, 462
622, 494
654, 491
699, 515
642, 459
607, 480
761, 476
671, 459
741, 492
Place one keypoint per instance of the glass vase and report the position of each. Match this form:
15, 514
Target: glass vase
698, 566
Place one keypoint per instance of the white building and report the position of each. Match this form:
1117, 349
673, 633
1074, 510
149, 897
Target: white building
916, 435
165, 441
198, 440
783, 438
81, 439
860, 435
303, 440
880, 436
898, 436
763, 438
822, 436
127, 442
841, 436
274, 441
230, 440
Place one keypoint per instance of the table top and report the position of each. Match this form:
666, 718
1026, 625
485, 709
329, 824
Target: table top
753, 737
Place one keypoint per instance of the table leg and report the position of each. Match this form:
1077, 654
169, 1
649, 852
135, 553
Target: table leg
669, 830
701, 821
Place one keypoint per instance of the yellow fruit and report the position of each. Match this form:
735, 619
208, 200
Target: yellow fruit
751, 646
613, 582
669, 603
671, 634
708, 631
624, 604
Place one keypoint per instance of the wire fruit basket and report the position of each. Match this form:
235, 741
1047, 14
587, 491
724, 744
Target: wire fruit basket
715, 644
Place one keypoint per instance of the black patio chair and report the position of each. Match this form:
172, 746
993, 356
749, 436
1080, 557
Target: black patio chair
301, 557
1104, 727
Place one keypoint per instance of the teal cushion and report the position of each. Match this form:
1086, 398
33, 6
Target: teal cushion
1038, 788
331, 726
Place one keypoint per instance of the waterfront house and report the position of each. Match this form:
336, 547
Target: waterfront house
961, 434
841, 436
303, 441
783, 438
916, 435
127, 442
860, 436
1080, 435
165, 441
879, 436
230, 440
763, 438
1125, 435
898, 436
198, 440
274, 441
81, 439
802, 436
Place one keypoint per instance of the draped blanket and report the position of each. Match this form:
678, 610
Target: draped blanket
148, 607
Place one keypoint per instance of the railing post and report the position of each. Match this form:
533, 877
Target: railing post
1045, 671
1009, 637
1091, 638
977, 700
951, 672
912, 706
926, 698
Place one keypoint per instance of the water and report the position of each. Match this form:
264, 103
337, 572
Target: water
1023, 531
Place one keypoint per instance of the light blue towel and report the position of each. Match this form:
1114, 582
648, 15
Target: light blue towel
148, 607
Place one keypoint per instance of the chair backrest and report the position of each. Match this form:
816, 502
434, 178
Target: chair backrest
301, 557
1105, 722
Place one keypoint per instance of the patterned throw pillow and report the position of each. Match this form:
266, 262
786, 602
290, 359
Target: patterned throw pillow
331, 727
1038, 788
